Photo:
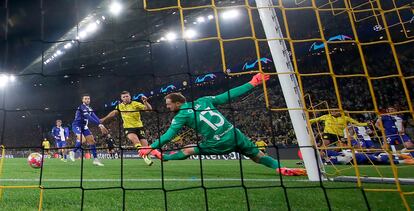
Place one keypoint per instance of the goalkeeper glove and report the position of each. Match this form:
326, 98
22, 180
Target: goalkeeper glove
258, 79
291, 171
144, 151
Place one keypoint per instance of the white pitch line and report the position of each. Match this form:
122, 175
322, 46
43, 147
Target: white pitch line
153, 180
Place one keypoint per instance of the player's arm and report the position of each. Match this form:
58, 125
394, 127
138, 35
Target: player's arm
66, 133
111, 115
177, 123
369, 131
378, 123
53, 133
400, 127
354, 122
148, 106
321, 118
349, 130
94, 119
91, 116
240, 90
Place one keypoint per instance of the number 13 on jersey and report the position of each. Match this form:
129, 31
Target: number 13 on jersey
204, 117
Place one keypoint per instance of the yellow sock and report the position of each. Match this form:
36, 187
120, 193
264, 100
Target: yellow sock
137, 145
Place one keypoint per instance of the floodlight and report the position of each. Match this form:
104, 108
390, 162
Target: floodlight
190, 33
115, 8
230, 14
171, 36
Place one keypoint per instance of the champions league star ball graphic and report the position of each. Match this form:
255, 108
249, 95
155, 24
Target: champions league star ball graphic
35, 160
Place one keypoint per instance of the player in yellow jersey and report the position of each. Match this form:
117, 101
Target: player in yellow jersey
261, 145
334, 125
131, 118
46, 147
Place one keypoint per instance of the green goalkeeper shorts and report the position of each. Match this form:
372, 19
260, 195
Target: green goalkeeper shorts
233, 141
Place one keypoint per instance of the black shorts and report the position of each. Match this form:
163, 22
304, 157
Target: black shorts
137, 131
331, 137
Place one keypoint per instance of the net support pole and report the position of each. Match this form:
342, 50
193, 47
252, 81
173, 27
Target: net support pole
289, 84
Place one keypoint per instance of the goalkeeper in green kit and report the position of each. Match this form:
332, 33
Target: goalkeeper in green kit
219, 135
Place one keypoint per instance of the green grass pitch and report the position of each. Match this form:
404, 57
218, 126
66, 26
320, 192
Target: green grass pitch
224, 189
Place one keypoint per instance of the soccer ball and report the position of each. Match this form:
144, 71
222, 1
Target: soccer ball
35, 160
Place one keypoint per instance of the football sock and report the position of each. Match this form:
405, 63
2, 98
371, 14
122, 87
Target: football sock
269, 162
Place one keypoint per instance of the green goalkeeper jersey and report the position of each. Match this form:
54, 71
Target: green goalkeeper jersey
203, 117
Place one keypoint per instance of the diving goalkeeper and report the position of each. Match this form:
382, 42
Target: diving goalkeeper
220, 136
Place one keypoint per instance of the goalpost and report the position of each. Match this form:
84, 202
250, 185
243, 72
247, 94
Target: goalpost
290, 88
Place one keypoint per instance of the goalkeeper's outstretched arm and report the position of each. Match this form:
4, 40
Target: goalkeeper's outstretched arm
240, 90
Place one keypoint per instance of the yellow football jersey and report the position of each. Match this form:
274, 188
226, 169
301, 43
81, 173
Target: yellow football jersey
46, 144
261, 145
130, 114
336, 125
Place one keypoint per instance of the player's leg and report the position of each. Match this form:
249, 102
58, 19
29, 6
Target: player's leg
90, 140
140, 133
47, 153
59, 146
113, 153
63, 148
144, 143
249, 149
368, 144
80, 138
63, 155
326, 139
138, 141
134, 139
354, 143
110, 153
391, 141
264, 151
60, 154
408, 144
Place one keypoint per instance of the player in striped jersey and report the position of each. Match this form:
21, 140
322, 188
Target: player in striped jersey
359, 136
394, 129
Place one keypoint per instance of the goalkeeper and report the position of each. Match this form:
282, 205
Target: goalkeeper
220, 136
